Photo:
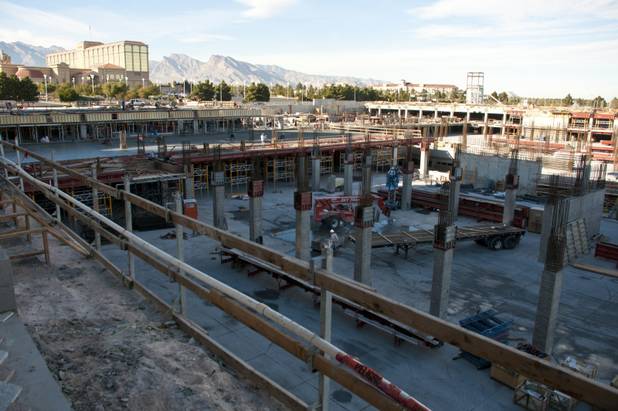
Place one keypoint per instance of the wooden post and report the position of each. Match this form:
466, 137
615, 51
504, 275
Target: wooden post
180, 254
95, 207
55, 183
46, 246
129, 225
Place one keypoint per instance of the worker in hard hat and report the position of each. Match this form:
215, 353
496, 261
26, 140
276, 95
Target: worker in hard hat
333, 239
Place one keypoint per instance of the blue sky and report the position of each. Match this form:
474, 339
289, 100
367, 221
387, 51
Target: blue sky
529, 47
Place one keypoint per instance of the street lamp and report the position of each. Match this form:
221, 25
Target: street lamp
73, 81
107, 78
143, 82
92, 80
45, 80
126, 81
184, 86
244, 90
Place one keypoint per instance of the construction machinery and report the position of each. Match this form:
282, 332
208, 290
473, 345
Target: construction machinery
333, 211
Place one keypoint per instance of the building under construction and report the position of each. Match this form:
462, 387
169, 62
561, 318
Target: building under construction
402, 256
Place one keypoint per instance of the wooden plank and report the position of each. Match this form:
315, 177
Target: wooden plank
18, 233
27, 254
10, 217
596, 269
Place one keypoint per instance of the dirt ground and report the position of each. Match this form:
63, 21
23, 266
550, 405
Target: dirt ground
110, 349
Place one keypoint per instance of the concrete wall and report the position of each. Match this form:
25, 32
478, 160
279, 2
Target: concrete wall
488, 169
7, 293
589, 207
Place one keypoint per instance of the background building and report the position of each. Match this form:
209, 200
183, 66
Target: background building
119, 61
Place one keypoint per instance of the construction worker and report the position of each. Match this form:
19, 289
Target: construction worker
333, 239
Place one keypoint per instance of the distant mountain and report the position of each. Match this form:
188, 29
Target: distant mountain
26, 54
180, 66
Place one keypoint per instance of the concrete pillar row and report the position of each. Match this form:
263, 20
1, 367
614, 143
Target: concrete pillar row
256, 192
348, 174
218, 210
424, 166
315, 173
363, 226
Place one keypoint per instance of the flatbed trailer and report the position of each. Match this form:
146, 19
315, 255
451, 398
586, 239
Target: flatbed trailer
492, 236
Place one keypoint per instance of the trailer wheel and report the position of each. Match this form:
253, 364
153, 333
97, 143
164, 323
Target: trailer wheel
511, 242
495, 243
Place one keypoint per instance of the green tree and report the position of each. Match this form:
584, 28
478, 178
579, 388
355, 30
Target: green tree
204, 91
567, 101
614, 103
27, 90
151, 90
4, 86
67, 93
599, 102
114, 89
223, 92
258, 92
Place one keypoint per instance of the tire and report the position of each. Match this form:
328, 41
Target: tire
511, 242
495, 243
481, 241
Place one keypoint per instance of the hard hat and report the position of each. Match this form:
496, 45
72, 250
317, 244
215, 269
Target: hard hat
332, 231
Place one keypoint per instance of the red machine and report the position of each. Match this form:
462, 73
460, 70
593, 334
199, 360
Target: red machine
335, 210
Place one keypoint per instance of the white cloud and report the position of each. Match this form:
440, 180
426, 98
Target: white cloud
261, 9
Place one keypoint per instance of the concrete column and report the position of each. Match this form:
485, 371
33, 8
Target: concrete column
379, 111
424, 166
547, 310
129, 224
302, 204
395, 154
196, 128
218, 211
315, 173
508, 213
363, 225
503, 124
255, 191
405, 113
420, 115
83, 131
435, 114
406, 191
486, 125
189, 182
95, 207
348, 174
180, 254
441, 280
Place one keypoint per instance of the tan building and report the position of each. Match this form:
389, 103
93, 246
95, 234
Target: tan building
416, 88
119, 61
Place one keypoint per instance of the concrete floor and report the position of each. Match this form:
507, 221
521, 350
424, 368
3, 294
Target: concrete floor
92, 149
505, 280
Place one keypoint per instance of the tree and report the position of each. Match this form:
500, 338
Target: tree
223, 92
114, 89
4, 86
258, 92
27, 90
67, 93
204, 91
614, 103
599, 102
567, 101
151, 90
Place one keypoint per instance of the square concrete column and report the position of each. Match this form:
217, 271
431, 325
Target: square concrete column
302, 204
315, 173
444, 243
395, 154
348, 174
218, 210
424, 166
196, 128
406, 191
363, 234
255, 191
189, 182
547, 310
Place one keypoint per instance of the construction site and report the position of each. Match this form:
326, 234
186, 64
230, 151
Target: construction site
378, 255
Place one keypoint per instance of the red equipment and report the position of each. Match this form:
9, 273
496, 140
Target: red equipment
337, 209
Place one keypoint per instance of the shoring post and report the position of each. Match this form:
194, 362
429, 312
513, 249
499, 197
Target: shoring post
180, 254
129, 225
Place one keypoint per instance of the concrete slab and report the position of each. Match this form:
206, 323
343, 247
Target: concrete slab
40, 390
8, 394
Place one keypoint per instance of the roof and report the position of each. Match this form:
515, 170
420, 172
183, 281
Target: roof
110, 66
24, 72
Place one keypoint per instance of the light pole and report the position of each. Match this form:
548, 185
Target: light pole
107, 78
143, 82
73, 81
244, 91
221, 91
92, 81
45, 80
126, 81
184, 86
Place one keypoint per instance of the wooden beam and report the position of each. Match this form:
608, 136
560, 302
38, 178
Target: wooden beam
596, 269
18, 233
27, 254
10, 217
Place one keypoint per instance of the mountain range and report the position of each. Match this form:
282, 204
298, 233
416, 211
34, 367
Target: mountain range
177, 67
180, 66
22, 53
